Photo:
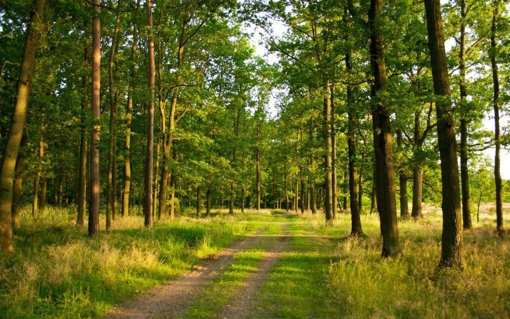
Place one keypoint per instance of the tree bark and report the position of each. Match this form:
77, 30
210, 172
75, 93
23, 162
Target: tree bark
496, 105
451, 246
113, 92
17, 125
328, 161
416, 212
149, 158
208, 196
404, 209
356, 228
383, 142
93, 225
38, 174
334, 177
18, 186
129, 117
464, 172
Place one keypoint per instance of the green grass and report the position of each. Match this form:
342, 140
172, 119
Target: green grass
58, 272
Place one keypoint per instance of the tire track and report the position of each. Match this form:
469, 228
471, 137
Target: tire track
245, 305
173, 299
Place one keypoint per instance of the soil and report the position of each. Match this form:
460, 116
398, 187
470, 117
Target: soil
174, 299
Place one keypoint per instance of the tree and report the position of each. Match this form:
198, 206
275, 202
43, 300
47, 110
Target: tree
149, 159
383, 144
94, 185
11, 151
496, 104
451, 245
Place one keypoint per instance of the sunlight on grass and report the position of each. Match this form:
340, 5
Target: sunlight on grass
367, 286
59, 272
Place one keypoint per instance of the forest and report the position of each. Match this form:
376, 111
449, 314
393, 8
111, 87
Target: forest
127, 114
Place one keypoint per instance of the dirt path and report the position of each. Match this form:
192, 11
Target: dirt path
245, 304
172, 300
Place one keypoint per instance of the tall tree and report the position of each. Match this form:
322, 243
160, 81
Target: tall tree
93, 225
149, 159
451, 245
10, 154
129, 116
383, 143
496, 105
111, 183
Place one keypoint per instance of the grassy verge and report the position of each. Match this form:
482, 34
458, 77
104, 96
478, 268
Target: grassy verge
366, 286
57, 271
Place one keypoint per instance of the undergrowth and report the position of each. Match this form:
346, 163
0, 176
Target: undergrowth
57, 271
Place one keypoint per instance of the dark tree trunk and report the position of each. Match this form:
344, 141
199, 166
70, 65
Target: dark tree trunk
404, 209
383, 141
451, 246
417, 192
208, 202
356, 229
496, 104
464, 172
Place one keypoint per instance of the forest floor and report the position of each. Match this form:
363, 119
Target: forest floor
181, 298
260, 264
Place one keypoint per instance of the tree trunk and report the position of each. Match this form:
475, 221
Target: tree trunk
44, 193
93, 226
18, 186
464, 172
208, 202
328, 161
149, 158
37, 179
383, 143
113, 92
129, 117
11, 150
451, 245
496, 104
334, 177
198, 201
82, 166
356, 229
404, 209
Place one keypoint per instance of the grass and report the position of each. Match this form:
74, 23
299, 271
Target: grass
58, 272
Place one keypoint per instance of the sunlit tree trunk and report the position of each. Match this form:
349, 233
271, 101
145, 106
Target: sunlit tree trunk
93, 225
149, 159
18, 186
129, 117
11, 150
451, 244
328, 160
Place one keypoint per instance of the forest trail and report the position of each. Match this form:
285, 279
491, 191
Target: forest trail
175, 298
